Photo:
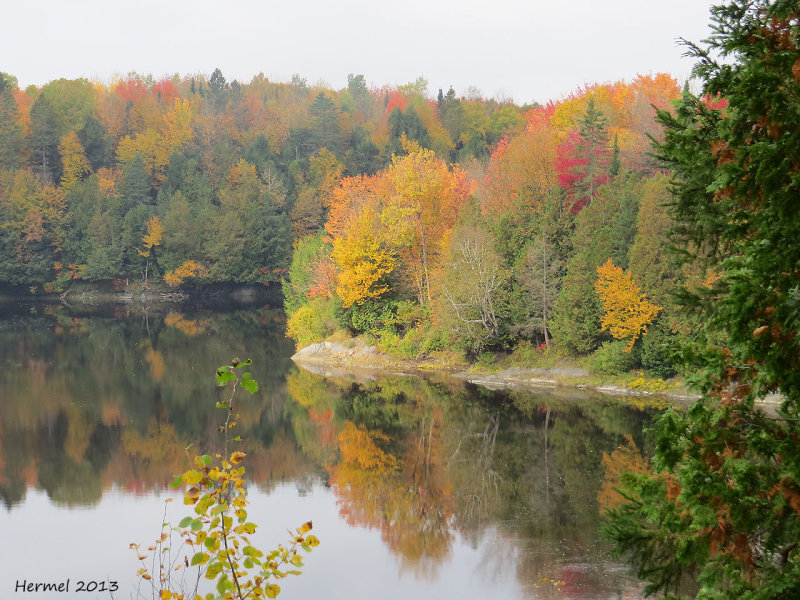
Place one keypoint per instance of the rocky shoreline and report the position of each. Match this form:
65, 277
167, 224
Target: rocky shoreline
362, 362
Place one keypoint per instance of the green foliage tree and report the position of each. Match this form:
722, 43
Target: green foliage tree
723, 507
405, 124
324, 126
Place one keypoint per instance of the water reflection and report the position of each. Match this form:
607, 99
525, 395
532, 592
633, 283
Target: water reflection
434, 468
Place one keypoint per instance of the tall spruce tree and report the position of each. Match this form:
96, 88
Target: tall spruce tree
722, 510
592, 153
10, 129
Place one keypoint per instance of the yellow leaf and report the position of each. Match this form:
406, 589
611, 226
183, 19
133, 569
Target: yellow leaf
192, 477
191, 496
237, 457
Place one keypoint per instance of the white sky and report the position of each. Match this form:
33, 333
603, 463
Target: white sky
520, 49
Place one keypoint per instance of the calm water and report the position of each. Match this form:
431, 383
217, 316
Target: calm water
423, 489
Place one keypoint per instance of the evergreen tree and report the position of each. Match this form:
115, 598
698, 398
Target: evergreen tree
406, 124
324, 127
10, 129
218, 89
592, 154
721, 510
44, 140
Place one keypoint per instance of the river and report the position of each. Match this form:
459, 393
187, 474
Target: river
417, 488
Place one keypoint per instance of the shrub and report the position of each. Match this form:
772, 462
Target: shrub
612, 359
313, 322
659, 354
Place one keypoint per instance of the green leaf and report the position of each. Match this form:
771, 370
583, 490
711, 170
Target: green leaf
222, 404
199, 559
176, 481
214, 569
206, 459
197, 525
185, 522
225, 376
224, 584
251, 385
248, 563
250, 551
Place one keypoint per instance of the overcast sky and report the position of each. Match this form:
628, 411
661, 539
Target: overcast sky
520, 49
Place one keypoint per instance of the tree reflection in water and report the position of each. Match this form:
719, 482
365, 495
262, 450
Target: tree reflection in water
90, 403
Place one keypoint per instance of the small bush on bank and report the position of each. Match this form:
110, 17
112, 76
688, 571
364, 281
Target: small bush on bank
659, 355
530, 354
417, 341
612, 359
313, 322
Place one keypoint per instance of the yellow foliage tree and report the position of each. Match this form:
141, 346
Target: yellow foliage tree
363, 259
156, 147
627, 312
361, 251
188, 270
150, 240
153, 236
73, 160
420, 208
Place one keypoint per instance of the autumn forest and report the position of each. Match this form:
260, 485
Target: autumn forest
425, 221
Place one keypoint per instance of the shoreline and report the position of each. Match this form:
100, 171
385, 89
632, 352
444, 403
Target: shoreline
361, 362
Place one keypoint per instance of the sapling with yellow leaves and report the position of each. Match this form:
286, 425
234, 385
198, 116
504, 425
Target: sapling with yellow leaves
215, 539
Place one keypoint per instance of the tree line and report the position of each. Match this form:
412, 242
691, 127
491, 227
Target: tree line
456, 222
234, 173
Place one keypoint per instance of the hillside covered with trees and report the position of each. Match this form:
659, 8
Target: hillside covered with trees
459, 222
